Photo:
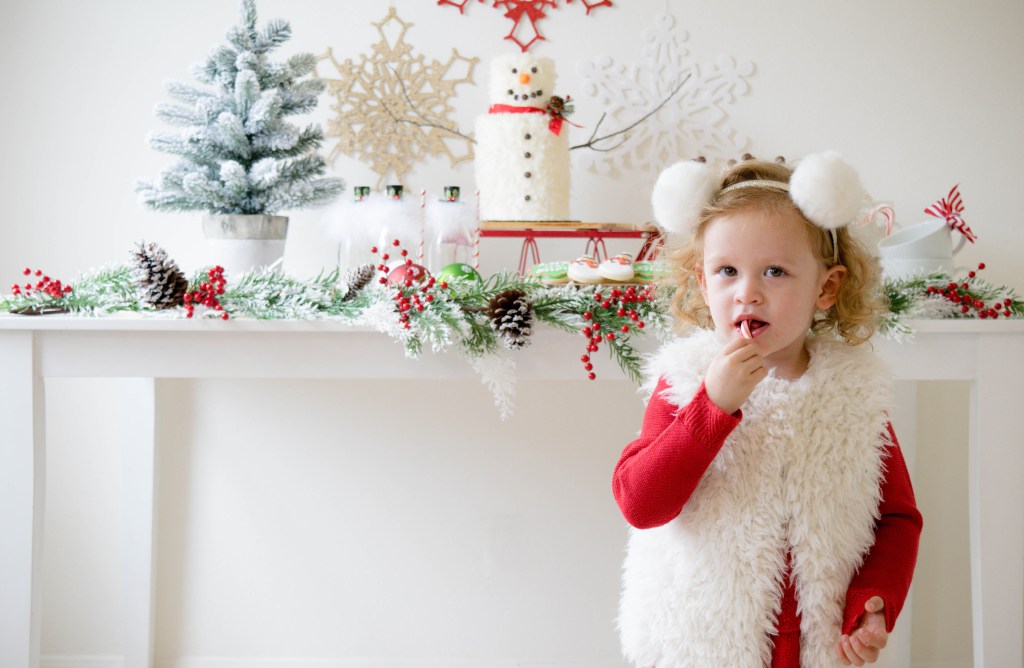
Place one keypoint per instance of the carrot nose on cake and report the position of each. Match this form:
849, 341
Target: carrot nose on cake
524, 78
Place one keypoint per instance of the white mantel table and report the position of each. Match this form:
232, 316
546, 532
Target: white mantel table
990, 355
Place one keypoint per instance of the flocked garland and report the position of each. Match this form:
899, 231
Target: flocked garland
485, 320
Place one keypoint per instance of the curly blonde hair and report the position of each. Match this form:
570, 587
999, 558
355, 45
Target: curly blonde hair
855, 316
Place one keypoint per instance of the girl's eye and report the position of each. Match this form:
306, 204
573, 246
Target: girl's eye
727, 271
775, 272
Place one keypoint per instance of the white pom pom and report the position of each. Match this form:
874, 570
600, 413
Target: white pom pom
827, 190
680, 193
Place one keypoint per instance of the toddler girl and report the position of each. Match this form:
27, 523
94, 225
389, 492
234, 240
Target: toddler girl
773, 518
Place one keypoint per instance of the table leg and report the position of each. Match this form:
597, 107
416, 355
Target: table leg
138, 500
22, 490
996, 497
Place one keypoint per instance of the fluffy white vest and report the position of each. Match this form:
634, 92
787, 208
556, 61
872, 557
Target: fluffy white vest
800, 473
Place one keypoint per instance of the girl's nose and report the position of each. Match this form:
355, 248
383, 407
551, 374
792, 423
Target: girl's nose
747, 292
524, 78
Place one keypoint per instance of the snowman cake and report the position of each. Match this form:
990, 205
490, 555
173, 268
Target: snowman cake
522, 151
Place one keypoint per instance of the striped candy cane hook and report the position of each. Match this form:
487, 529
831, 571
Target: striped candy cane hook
423, 224
886, 212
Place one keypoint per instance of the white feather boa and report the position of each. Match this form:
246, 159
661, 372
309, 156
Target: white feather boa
801, 473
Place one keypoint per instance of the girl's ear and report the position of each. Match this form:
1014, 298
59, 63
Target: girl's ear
832, 281
698, 273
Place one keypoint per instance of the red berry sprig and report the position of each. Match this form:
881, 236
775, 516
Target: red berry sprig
615, 311
414, 290
970, 305
44, 284
208, 294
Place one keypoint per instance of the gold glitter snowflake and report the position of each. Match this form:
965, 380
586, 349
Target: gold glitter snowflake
392, 107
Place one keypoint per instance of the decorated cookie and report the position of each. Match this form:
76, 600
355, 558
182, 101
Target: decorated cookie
550, 273
651, 271
618, 269
584, 270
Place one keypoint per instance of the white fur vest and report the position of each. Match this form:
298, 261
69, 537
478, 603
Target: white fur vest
800, 473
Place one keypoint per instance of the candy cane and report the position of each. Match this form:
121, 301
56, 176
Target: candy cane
476, 235
886, 212
423, 222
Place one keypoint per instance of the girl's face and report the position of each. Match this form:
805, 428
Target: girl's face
760, 268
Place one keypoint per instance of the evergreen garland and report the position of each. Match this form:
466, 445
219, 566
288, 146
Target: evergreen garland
237, 154
456, 315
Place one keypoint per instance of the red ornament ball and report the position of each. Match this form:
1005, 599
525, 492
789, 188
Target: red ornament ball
414, 272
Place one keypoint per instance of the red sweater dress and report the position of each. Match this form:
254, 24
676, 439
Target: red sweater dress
658, 472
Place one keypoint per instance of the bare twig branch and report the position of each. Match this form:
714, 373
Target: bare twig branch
427, 123
590, 143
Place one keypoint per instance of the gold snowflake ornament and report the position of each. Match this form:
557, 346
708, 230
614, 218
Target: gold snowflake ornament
392, 108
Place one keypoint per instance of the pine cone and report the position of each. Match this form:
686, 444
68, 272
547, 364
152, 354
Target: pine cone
556, 105
511, 313
357, 279
158, 278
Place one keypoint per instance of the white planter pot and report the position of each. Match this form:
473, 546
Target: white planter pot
244, 243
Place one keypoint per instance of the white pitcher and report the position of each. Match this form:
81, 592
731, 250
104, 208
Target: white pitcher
922, 248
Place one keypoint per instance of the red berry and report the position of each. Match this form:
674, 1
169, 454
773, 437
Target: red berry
395, 242
430, 298
39, 272
625, 329
584, 358
588, 366
640, 325
1008, 302
983, 314
979, 304
981, 265
964, 309
606, 304
385, 257
971, 274
26, 271
588, 315
224, 316
597, 325
1007, 313
620, 312
610, 336
444, 285
382, 280
404, 252
591, 376
373, 250
587, 332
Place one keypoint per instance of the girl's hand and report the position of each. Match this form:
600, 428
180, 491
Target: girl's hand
734, 374
868, 639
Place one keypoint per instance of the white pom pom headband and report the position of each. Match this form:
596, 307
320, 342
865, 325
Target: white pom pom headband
826, 189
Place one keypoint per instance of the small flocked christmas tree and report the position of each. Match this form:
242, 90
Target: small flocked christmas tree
237, 153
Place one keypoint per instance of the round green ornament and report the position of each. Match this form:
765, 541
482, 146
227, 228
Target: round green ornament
458, 270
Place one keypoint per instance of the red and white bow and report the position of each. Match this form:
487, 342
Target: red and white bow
949, 209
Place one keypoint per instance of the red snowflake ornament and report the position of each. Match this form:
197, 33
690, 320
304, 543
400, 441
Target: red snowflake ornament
525, 32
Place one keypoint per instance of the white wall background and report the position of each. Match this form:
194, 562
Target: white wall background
405, 525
